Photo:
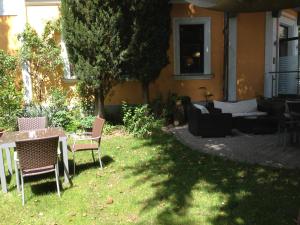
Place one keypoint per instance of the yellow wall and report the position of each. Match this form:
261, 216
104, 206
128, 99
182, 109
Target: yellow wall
250, 55
9, 28
132, 92
37, 16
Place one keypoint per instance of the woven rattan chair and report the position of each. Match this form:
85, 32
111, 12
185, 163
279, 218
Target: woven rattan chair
93, 139
38, 156
32, 123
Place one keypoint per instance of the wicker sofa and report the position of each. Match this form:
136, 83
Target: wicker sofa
249, 116
212, 124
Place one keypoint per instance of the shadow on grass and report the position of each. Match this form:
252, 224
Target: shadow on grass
248, 194
83, 166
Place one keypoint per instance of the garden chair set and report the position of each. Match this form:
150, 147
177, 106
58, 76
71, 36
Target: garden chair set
37, 150
289, 124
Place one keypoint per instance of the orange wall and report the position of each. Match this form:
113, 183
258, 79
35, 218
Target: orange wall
8, 38
132, 92
250, 55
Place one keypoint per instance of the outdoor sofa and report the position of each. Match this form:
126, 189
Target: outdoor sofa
219, 118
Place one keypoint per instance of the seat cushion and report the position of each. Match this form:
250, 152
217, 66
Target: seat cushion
249, 114
237, 107
37, 171
83, 147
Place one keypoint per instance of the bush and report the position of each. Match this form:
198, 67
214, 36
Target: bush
10, 96
86, 123
139, 120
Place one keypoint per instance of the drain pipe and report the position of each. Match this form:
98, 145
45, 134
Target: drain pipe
226, 55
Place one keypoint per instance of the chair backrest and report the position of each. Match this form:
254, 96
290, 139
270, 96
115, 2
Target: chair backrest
32, 123
37, 153
293, 106
98, 127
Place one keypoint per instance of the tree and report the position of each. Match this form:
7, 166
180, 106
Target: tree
42, 54
96, 33
147, 51
10, 95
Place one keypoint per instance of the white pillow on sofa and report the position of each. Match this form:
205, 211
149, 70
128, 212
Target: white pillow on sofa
203, 109
245, 106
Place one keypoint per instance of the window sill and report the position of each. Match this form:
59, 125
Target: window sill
194, 77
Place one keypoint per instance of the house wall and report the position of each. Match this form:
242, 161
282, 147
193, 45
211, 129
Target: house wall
37, 16
132, 92
250, 55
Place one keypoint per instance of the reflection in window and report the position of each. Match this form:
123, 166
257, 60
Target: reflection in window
191, 48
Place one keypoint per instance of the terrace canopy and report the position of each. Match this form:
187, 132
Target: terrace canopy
236, 6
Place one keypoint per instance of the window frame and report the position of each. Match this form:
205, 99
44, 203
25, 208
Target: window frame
206, 21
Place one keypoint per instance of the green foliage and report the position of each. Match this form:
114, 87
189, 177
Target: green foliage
147, 51
10, 96
87, 122
56, 111
139, 120
42, 54
95, 33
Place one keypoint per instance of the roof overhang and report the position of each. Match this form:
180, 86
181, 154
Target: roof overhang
237, 6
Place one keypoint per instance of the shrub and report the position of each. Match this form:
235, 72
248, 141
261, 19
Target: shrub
10, 96
87, 122
139, 120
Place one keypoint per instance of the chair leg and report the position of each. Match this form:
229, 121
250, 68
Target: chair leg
93, 156
8, 159
57, 178
74, 164
23, 194
99, 155
17, 176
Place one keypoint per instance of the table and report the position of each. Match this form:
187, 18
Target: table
9, 139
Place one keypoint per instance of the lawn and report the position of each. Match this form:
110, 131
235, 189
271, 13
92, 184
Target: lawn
158, 181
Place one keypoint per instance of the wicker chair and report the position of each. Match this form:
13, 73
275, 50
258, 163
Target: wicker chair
33, 123
94, 139
38, 156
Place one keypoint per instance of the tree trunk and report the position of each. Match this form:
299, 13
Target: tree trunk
100, 104
145, 87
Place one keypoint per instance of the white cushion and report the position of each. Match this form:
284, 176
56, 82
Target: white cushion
237, 107
203, 109
249, 114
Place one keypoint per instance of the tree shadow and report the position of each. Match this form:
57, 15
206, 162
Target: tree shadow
250, 194
81, 167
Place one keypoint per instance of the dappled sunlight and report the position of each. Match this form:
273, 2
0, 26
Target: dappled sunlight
184, 181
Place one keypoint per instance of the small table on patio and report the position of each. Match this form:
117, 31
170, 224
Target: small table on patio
9, 139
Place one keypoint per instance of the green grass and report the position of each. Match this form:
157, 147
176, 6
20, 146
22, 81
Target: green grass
158, 181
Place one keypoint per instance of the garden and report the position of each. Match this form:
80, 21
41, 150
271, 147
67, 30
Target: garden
148, 177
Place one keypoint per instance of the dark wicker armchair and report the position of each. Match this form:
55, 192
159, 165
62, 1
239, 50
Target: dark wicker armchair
38, 156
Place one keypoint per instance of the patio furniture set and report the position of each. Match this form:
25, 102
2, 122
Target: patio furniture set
36, 150
218, 119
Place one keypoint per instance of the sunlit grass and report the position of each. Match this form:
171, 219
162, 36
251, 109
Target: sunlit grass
158, 181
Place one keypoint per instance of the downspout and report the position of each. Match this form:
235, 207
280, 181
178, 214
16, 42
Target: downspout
226, 55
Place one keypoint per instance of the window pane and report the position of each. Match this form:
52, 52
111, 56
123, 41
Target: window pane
192, 48
284, 45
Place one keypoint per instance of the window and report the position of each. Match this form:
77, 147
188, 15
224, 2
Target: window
284, 45
9, 7
192, 46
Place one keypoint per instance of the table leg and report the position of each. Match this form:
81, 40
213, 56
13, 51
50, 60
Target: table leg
8, 159
2, 173
65, 159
